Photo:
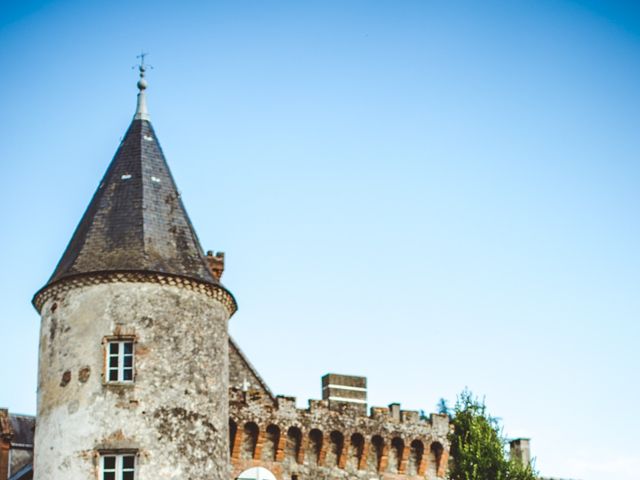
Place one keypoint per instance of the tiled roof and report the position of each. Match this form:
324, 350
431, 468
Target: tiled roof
136, 220
22, 427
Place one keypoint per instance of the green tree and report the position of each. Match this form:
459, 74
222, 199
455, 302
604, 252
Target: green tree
477, 446
443, 407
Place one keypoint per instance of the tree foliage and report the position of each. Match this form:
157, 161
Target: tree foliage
478, 450
443, 407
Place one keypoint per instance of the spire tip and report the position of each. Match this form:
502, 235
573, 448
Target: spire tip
141, 109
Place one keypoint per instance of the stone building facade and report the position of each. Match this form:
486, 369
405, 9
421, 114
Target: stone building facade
323, 443
16, 445
138, 378
337, 437
133, 359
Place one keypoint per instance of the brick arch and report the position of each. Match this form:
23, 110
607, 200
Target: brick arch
395, 455
415, 464
249, 440
233, 430
355, 453
314, 447
270, 443
293, 444
335, 449
376, 455
434, 461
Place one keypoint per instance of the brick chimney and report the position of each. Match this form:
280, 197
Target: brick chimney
216, 263
519, 450
342, 390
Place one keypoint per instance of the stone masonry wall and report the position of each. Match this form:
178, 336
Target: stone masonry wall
242, 374
322, 444
174, 415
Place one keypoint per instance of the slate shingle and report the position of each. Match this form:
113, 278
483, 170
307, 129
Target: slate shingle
136, 220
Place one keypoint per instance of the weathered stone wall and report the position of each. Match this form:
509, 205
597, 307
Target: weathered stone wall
319, 443
520, 451
19, 458
16, 442
174, 415
5, 449
242, 375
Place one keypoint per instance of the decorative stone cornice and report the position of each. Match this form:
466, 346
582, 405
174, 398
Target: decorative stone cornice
217, 292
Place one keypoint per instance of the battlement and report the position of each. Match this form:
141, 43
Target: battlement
331, 439
255, 400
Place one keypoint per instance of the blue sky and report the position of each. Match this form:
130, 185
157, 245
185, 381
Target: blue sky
432, 194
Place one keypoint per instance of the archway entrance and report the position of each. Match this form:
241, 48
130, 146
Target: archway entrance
256, 473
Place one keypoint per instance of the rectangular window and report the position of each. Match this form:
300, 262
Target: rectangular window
117, 466
120, 361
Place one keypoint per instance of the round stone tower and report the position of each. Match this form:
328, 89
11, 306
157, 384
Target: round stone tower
133, 360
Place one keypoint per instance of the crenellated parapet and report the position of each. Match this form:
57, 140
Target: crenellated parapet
325, 442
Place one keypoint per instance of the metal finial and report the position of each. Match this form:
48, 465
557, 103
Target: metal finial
141, 57
141, 110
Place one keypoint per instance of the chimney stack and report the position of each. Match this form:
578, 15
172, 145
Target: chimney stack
342, 390
519, 451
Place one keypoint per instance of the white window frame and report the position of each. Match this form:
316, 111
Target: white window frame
119, 470
120, 360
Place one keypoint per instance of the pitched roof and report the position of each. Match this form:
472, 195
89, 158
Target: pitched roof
23, 427
241, 370
136, 220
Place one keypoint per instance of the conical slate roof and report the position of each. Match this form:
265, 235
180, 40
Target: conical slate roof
136, 220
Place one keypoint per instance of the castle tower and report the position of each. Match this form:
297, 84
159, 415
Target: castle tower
133, 360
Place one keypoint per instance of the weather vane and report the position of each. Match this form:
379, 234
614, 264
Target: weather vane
141, 57
142, 67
